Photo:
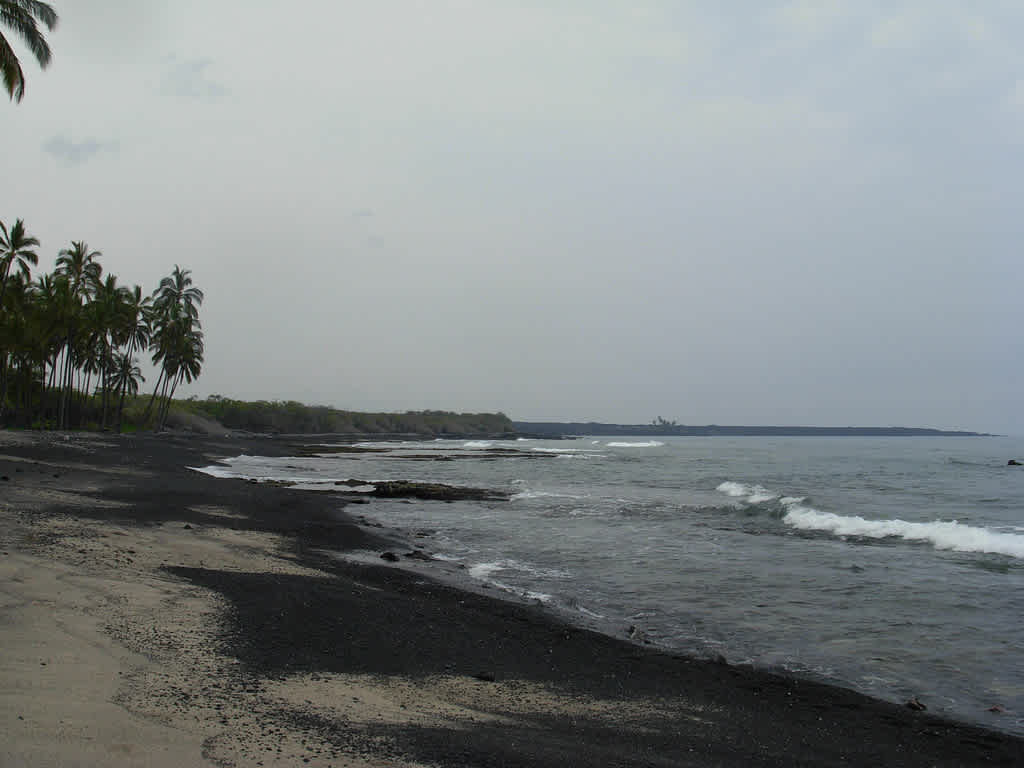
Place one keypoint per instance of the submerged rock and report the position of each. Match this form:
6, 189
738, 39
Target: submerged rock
1013, 463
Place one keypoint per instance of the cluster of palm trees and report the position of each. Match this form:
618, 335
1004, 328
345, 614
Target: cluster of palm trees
69, 339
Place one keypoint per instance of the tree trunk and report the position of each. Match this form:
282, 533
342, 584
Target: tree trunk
168, 396
3, 385
149, 405
120, 405
105, 390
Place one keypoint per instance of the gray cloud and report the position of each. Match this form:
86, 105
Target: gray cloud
188, 79
71, 153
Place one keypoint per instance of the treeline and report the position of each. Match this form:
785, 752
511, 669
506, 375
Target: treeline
70, 338
290, 417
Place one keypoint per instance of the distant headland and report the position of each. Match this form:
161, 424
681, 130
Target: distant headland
550, 429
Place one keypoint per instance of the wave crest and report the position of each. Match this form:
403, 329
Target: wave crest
942, 535
645, 444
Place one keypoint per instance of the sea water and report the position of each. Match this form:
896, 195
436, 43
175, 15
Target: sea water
894, 566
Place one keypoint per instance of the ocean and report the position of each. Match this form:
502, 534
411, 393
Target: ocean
894, 566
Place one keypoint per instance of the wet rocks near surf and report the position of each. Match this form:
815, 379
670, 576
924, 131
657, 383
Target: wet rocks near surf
407, 489
416, 554
397, 453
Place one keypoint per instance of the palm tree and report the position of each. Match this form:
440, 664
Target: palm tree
125, 380
23, 17
108, 329
78, 265
177, 295
184, 360
138, 309
81, 267
48, 292
15, 248
175, 326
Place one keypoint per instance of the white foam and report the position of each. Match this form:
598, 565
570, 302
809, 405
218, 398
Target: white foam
947, 535
647, 444
483, 570
544, 495
538, 449
751, 494
215, 471
477, 444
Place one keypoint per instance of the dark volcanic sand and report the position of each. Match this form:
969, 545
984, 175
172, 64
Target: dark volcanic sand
380, 621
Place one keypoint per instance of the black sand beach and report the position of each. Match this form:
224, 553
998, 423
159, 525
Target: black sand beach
237, 638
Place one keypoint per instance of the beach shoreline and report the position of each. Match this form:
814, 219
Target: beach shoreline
157, 616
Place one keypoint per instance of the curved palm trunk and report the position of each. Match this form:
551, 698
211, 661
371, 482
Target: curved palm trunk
152, 399
167, 402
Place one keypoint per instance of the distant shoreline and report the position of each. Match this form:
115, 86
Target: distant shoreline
576, 428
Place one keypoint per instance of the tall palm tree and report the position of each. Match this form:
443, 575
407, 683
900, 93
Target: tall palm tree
137, 318
79, 266
175, 320
184, 360
108, 329
126, 378
23, 18
15, 249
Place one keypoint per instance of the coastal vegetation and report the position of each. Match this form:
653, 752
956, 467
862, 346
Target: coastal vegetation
291, 417
69, 339
23, 17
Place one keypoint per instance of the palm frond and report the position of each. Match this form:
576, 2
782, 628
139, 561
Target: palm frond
42, 11
14, 78
23, 23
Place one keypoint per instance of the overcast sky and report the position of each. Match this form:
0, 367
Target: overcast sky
749, 212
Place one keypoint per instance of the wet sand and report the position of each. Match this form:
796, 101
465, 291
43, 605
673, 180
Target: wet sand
155, 616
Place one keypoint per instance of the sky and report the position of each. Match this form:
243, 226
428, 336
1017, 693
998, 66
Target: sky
803, 212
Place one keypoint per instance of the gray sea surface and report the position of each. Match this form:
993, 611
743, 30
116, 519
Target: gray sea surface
894, 566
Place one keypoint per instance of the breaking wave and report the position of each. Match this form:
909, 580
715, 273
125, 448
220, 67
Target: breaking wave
942, 535
646, 444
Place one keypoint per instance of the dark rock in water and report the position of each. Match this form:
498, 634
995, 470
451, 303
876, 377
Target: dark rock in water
1013, 463
406, 489
317, 450
487, 677
187, 527
916, 705
391, 557
432, 491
